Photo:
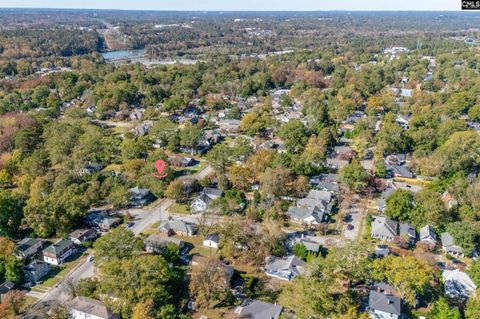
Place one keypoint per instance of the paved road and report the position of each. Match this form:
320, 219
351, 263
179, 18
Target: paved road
143, 219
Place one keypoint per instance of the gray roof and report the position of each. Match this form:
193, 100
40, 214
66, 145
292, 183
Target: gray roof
6, 287
213, 237
36, 265
383, 302
26, 244
90, 306
384, 227
309, 244
157, 240
178, 225
401, 171
256, 309
408, 230
301, 213
427, 233
448, 243
290, 266
212, 192
319, 195
59, 247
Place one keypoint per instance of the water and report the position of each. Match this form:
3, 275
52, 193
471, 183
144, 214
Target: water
123, 54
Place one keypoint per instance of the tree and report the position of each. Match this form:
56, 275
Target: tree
295, 135
11, 213
209, 283
190, 135
175, 191
119, 243
411, 276
300, 251
144, 310
359, 145
276, 181
354, 176
442, 310
219, 157
429, 209
400, 205
464, 234
460, 152
127, 282
472, 309
474, 272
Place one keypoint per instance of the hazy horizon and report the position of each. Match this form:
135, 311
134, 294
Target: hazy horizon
245, 5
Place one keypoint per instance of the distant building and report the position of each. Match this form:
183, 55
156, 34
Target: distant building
284, 268
88, 308
58, 252
408, 231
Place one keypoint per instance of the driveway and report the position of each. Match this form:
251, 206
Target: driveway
356, 221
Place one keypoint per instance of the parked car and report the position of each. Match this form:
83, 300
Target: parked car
90, 258
130, 225
349, 227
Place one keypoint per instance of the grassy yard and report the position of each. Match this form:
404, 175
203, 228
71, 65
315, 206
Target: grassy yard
58, 273
180, 209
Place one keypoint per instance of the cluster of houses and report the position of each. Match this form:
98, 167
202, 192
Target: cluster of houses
312, 210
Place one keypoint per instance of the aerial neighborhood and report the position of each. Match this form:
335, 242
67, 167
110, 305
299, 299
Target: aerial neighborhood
265, 165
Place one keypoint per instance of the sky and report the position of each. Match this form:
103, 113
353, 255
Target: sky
239, 5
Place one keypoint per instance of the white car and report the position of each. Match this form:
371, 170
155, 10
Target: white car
90, 258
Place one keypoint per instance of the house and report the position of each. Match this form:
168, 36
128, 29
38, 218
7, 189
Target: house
88, 308
382, 305
408, 232
156, 243
5, 288
427, 235
310, 245
28, 247
256, 309
284, 268
140, 196
35, 271
449, 247
177, 227
229, 126
81, 236
458, 284
179, 161
400, 171
58, 252
384, 228
382, 201
91, 109
106, 223
305, 215
143, 129
212, 240
200, 204
335, 164
395, 159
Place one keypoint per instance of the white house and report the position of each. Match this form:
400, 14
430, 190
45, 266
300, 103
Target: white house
58, 252
211, 241
382, 305
458, 284
88, 308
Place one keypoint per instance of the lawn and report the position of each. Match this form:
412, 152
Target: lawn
180, 209
58, 273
